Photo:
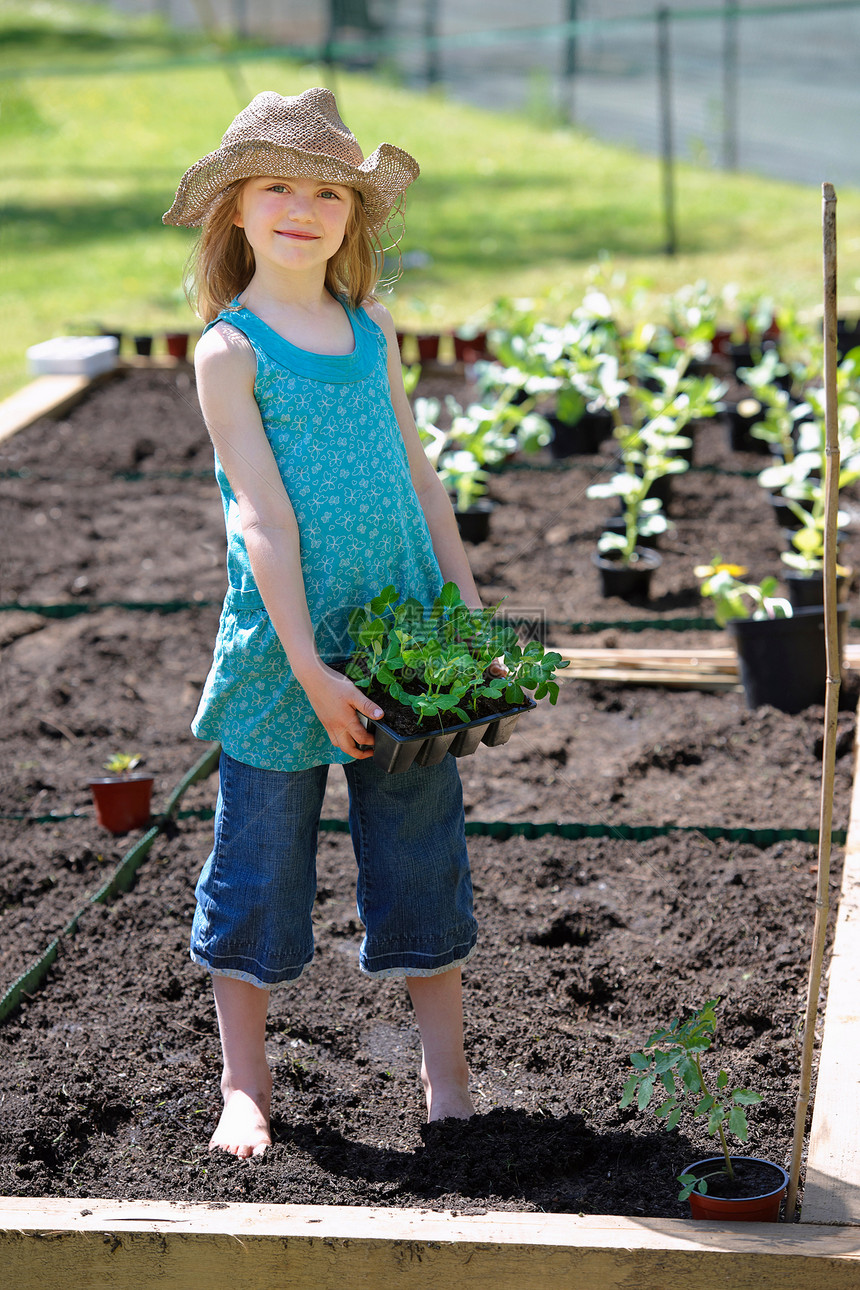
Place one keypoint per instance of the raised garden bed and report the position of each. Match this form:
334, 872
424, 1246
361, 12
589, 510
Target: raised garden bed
111, 1069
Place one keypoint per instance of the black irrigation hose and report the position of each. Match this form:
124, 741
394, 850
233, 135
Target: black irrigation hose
504, 829
70, 609
120, 880
558, 466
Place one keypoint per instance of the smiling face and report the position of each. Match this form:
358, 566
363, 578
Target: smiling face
293, 223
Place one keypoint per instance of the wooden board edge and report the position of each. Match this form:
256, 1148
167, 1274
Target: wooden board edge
173, 1245
832, 1188
47, 396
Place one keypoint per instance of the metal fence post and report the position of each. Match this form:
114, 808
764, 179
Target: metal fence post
730, 85
667, 147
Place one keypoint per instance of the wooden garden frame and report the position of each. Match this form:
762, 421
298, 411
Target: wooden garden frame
143, 1244
138, 1244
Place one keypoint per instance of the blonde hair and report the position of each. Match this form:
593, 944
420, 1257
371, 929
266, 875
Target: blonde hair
222, 262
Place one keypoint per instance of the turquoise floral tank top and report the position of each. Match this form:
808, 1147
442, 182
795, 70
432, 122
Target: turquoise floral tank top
341, 455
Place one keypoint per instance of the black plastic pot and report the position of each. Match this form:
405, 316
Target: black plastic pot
583, 436
143, 345
396, 753
738, 426
783, 661
784, 515
847, 335
627, 581
474, 524
806, 590
744, 354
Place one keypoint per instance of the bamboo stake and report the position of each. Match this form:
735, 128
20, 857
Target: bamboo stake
831, 705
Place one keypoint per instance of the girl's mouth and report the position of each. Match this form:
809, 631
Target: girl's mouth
301, 237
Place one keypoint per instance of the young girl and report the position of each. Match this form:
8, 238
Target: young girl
328, 497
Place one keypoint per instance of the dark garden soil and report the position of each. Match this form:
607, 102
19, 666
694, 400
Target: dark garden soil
109, 1071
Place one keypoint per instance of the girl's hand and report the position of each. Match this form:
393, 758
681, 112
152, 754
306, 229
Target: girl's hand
337, 702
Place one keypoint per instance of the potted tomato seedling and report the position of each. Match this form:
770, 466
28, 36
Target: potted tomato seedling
718, 1187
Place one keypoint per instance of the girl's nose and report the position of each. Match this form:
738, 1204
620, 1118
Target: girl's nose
300, 207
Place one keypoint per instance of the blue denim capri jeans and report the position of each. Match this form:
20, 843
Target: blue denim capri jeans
257, 889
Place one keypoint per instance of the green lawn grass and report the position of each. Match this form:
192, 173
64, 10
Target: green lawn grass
88, 163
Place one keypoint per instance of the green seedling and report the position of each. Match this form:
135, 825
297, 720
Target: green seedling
121, 763
438, 660
733, 598
671, 1067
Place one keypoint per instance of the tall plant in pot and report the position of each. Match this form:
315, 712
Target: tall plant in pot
502, 425
671, 1068
782, 651
795, 486
465, 482
648, 456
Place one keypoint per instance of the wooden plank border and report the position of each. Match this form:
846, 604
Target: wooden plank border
47, 396
152, 1245
135, 1245
51, 396
831, 1193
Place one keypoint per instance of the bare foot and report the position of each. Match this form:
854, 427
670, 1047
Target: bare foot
448, 1099
243, 1129
455, 1105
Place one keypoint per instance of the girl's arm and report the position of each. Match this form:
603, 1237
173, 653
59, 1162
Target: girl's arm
226, 367
435, 503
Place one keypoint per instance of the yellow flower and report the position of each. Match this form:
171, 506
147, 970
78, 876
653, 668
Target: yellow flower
708, 570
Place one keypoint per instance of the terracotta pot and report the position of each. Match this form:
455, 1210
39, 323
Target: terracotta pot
762, 1207
470, 349
783, 661
396, 753
122, 804
627, 581
177, 344
428, 347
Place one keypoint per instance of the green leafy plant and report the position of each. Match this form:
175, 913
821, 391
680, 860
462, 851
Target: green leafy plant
438, 660
670, 1066
734, 598
120, 764
648, 455
463, 477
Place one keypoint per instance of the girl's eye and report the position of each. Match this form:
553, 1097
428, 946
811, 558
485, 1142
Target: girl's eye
328, 192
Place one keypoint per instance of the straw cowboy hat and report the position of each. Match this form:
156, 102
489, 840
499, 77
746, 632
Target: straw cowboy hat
301, 136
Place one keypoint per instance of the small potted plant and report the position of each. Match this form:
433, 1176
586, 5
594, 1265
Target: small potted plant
122, 799
719, 1187
465, 483
782, 651
430, 670
805, 574
649, 456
